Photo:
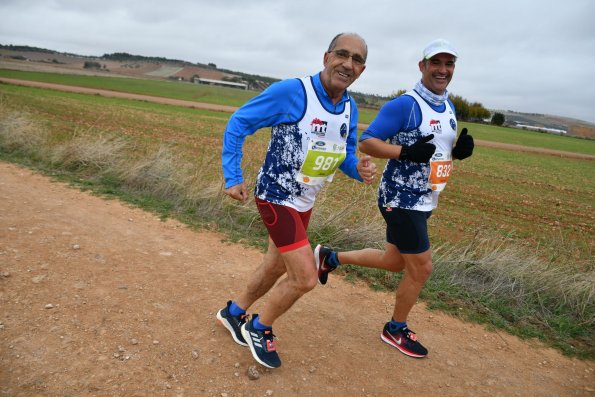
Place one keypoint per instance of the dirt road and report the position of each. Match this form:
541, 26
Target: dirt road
101, 299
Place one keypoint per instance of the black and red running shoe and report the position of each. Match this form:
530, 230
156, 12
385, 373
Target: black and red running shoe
320, 254
404, 340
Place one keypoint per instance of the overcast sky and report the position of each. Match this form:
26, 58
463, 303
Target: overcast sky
522, 55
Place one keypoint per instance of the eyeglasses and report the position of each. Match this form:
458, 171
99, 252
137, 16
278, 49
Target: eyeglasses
344, 55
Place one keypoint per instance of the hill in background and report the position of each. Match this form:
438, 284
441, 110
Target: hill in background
128, 65
123, 64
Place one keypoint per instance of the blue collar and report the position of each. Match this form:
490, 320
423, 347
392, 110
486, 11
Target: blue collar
325, 99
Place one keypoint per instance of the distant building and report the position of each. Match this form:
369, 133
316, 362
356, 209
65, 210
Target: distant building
539, 129
223, 83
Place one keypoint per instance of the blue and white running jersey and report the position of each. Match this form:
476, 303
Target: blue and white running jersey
403, 121
299, 111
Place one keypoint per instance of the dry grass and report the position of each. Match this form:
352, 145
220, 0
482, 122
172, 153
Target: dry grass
491, 269
84, 149
19, 132
329, 225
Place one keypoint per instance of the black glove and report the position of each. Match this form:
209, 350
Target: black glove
464, 146
420, 152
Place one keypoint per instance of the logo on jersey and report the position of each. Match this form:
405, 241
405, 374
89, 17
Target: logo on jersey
435, 127
343, 131
338, 147
319, 127
453, 124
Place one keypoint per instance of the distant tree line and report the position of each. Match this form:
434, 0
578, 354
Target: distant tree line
469, 111
124, 56
368, 100
93, 65
25, 48
252, 78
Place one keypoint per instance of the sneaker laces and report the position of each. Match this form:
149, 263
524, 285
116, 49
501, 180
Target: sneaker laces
270, 340
242, 319
409, 334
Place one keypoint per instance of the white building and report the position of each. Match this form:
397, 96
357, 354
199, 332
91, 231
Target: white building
540, 129
223, 83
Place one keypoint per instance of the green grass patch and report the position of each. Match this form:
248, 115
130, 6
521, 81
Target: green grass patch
535, 139
160, 88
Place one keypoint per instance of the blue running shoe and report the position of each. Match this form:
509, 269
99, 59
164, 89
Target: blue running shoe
233, 324
262, 345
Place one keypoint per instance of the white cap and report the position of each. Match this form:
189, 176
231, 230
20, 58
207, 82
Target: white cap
439, 46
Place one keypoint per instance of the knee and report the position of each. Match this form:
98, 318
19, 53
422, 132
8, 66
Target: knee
306, 283
422, 272
425, 271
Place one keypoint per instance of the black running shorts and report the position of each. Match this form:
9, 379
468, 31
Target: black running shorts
407, 229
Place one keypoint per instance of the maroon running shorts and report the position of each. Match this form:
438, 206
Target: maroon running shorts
287, 227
